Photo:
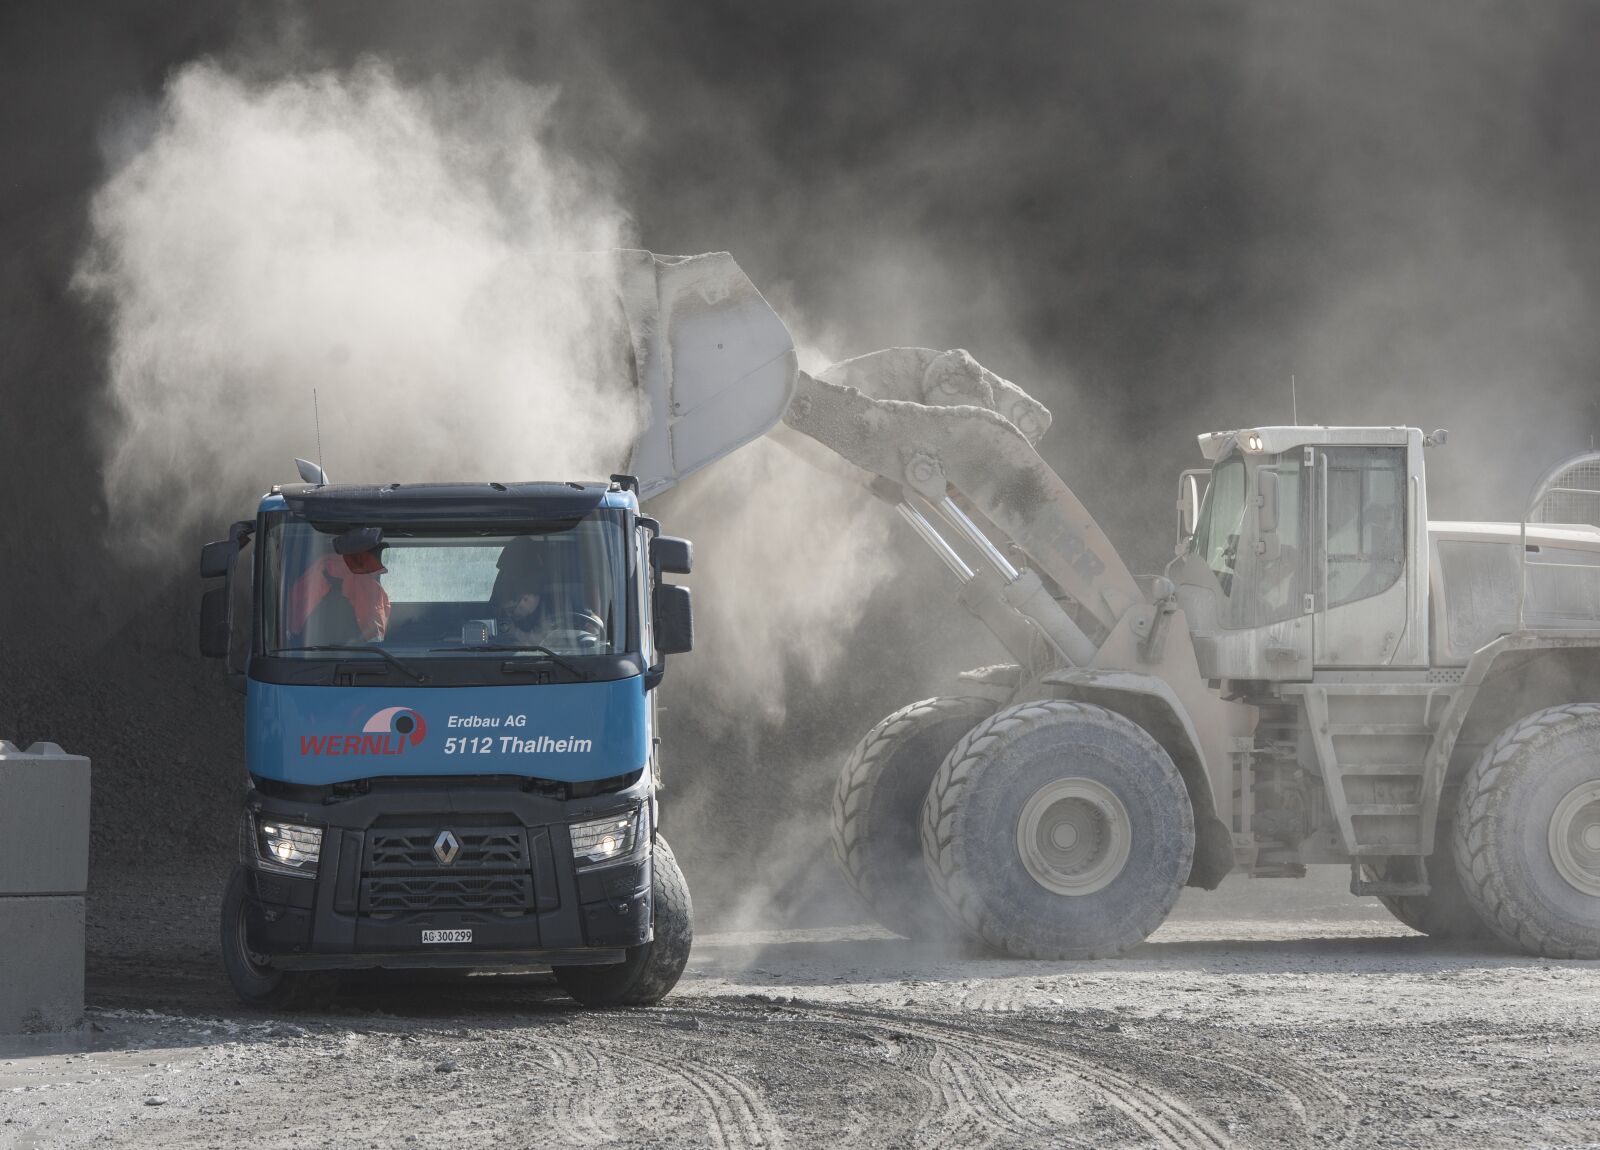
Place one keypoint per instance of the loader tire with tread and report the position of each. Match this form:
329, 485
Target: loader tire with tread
651, 969
877, 810
1527, 833
1058, 830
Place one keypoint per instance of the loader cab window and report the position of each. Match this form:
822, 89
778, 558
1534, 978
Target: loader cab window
1366, 521
1217, 535
1278, 544
1251, 534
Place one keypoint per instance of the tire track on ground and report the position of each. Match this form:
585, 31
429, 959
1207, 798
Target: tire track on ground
1166, 1120
972, 1093
737, 1114
574, 1109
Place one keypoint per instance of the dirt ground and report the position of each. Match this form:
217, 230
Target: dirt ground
1323, 1023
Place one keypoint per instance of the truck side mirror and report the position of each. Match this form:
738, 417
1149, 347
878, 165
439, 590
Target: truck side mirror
217, 561
674, 619
215, 626
216, 558
671, 556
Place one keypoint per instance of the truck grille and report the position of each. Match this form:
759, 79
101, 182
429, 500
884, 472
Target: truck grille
439, 892
407, 851
491, 871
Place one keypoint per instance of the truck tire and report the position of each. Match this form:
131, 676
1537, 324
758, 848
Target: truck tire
1527, 833
1445, 912
253, 978
1058, 830
650, 971
877, 811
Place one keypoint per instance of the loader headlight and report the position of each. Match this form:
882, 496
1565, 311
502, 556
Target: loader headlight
287, 846
601, 840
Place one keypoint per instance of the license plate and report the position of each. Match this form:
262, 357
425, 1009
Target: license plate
446, 936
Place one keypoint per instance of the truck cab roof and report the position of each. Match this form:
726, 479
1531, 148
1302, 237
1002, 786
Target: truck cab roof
443, 503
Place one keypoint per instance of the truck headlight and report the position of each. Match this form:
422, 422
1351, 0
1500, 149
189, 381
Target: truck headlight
288, 846
601, 840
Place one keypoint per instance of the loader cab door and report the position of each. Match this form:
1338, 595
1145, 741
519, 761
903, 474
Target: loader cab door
1244, 574
1370, 558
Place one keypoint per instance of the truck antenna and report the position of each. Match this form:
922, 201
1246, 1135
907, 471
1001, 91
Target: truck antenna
316, 417
1294, 404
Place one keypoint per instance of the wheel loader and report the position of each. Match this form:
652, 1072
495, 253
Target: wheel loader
1322, 675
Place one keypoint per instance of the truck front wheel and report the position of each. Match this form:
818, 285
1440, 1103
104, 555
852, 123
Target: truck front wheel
650, 971
1058, 830
255, 980
1528, 833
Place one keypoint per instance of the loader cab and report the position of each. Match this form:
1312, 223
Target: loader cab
1305, 548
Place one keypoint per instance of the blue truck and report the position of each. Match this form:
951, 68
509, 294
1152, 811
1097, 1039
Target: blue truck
450, 734
450, 722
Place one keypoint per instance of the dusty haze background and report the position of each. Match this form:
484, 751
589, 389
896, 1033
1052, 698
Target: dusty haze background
1149, 214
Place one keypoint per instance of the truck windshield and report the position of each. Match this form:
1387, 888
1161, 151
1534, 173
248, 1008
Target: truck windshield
559, 588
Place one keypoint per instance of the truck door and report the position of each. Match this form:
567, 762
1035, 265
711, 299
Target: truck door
1369, 518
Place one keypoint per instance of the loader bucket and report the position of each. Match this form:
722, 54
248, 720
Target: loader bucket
715, 365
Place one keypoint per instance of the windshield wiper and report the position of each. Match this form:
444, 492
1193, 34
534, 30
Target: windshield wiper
571, 668
379, 651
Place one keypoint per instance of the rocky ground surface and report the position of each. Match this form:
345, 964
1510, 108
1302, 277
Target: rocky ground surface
1332, 1025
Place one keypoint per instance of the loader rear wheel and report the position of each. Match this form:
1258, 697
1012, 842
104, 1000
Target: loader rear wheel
1058, 830
651, 970
1445, 912
877, 811
1528, 833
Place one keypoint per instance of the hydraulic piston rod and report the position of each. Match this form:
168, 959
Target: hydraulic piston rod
959, 520
930, 536
1023, 590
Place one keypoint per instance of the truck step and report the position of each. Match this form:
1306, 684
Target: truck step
1399, 770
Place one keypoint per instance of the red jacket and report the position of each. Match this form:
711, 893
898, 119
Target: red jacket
356, 577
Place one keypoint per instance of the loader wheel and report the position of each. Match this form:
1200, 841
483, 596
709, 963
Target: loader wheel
1058, 830
650, 971
253, 977
1528, 833
877, 811
1444, 912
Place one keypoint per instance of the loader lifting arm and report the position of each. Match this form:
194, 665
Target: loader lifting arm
933, 432
931, 452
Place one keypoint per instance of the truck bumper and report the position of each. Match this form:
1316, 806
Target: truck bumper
512, 883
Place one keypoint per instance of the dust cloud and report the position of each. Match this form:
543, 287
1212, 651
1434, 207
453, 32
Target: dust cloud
389, 246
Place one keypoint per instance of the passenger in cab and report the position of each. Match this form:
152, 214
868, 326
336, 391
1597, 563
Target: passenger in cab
338, 599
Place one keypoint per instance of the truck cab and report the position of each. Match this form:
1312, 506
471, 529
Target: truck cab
450, 733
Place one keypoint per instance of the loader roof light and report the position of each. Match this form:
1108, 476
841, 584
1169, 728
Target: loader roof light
1253, 442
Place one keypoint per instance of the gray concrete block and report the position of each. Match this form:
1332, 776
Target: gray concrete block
41, 963
44, 821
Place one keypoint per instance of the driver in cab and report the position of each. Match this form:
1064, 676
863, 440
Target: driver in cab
525, 612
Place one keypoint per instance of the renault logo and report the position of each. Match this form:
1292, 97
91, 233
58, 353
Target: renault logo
446, 847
